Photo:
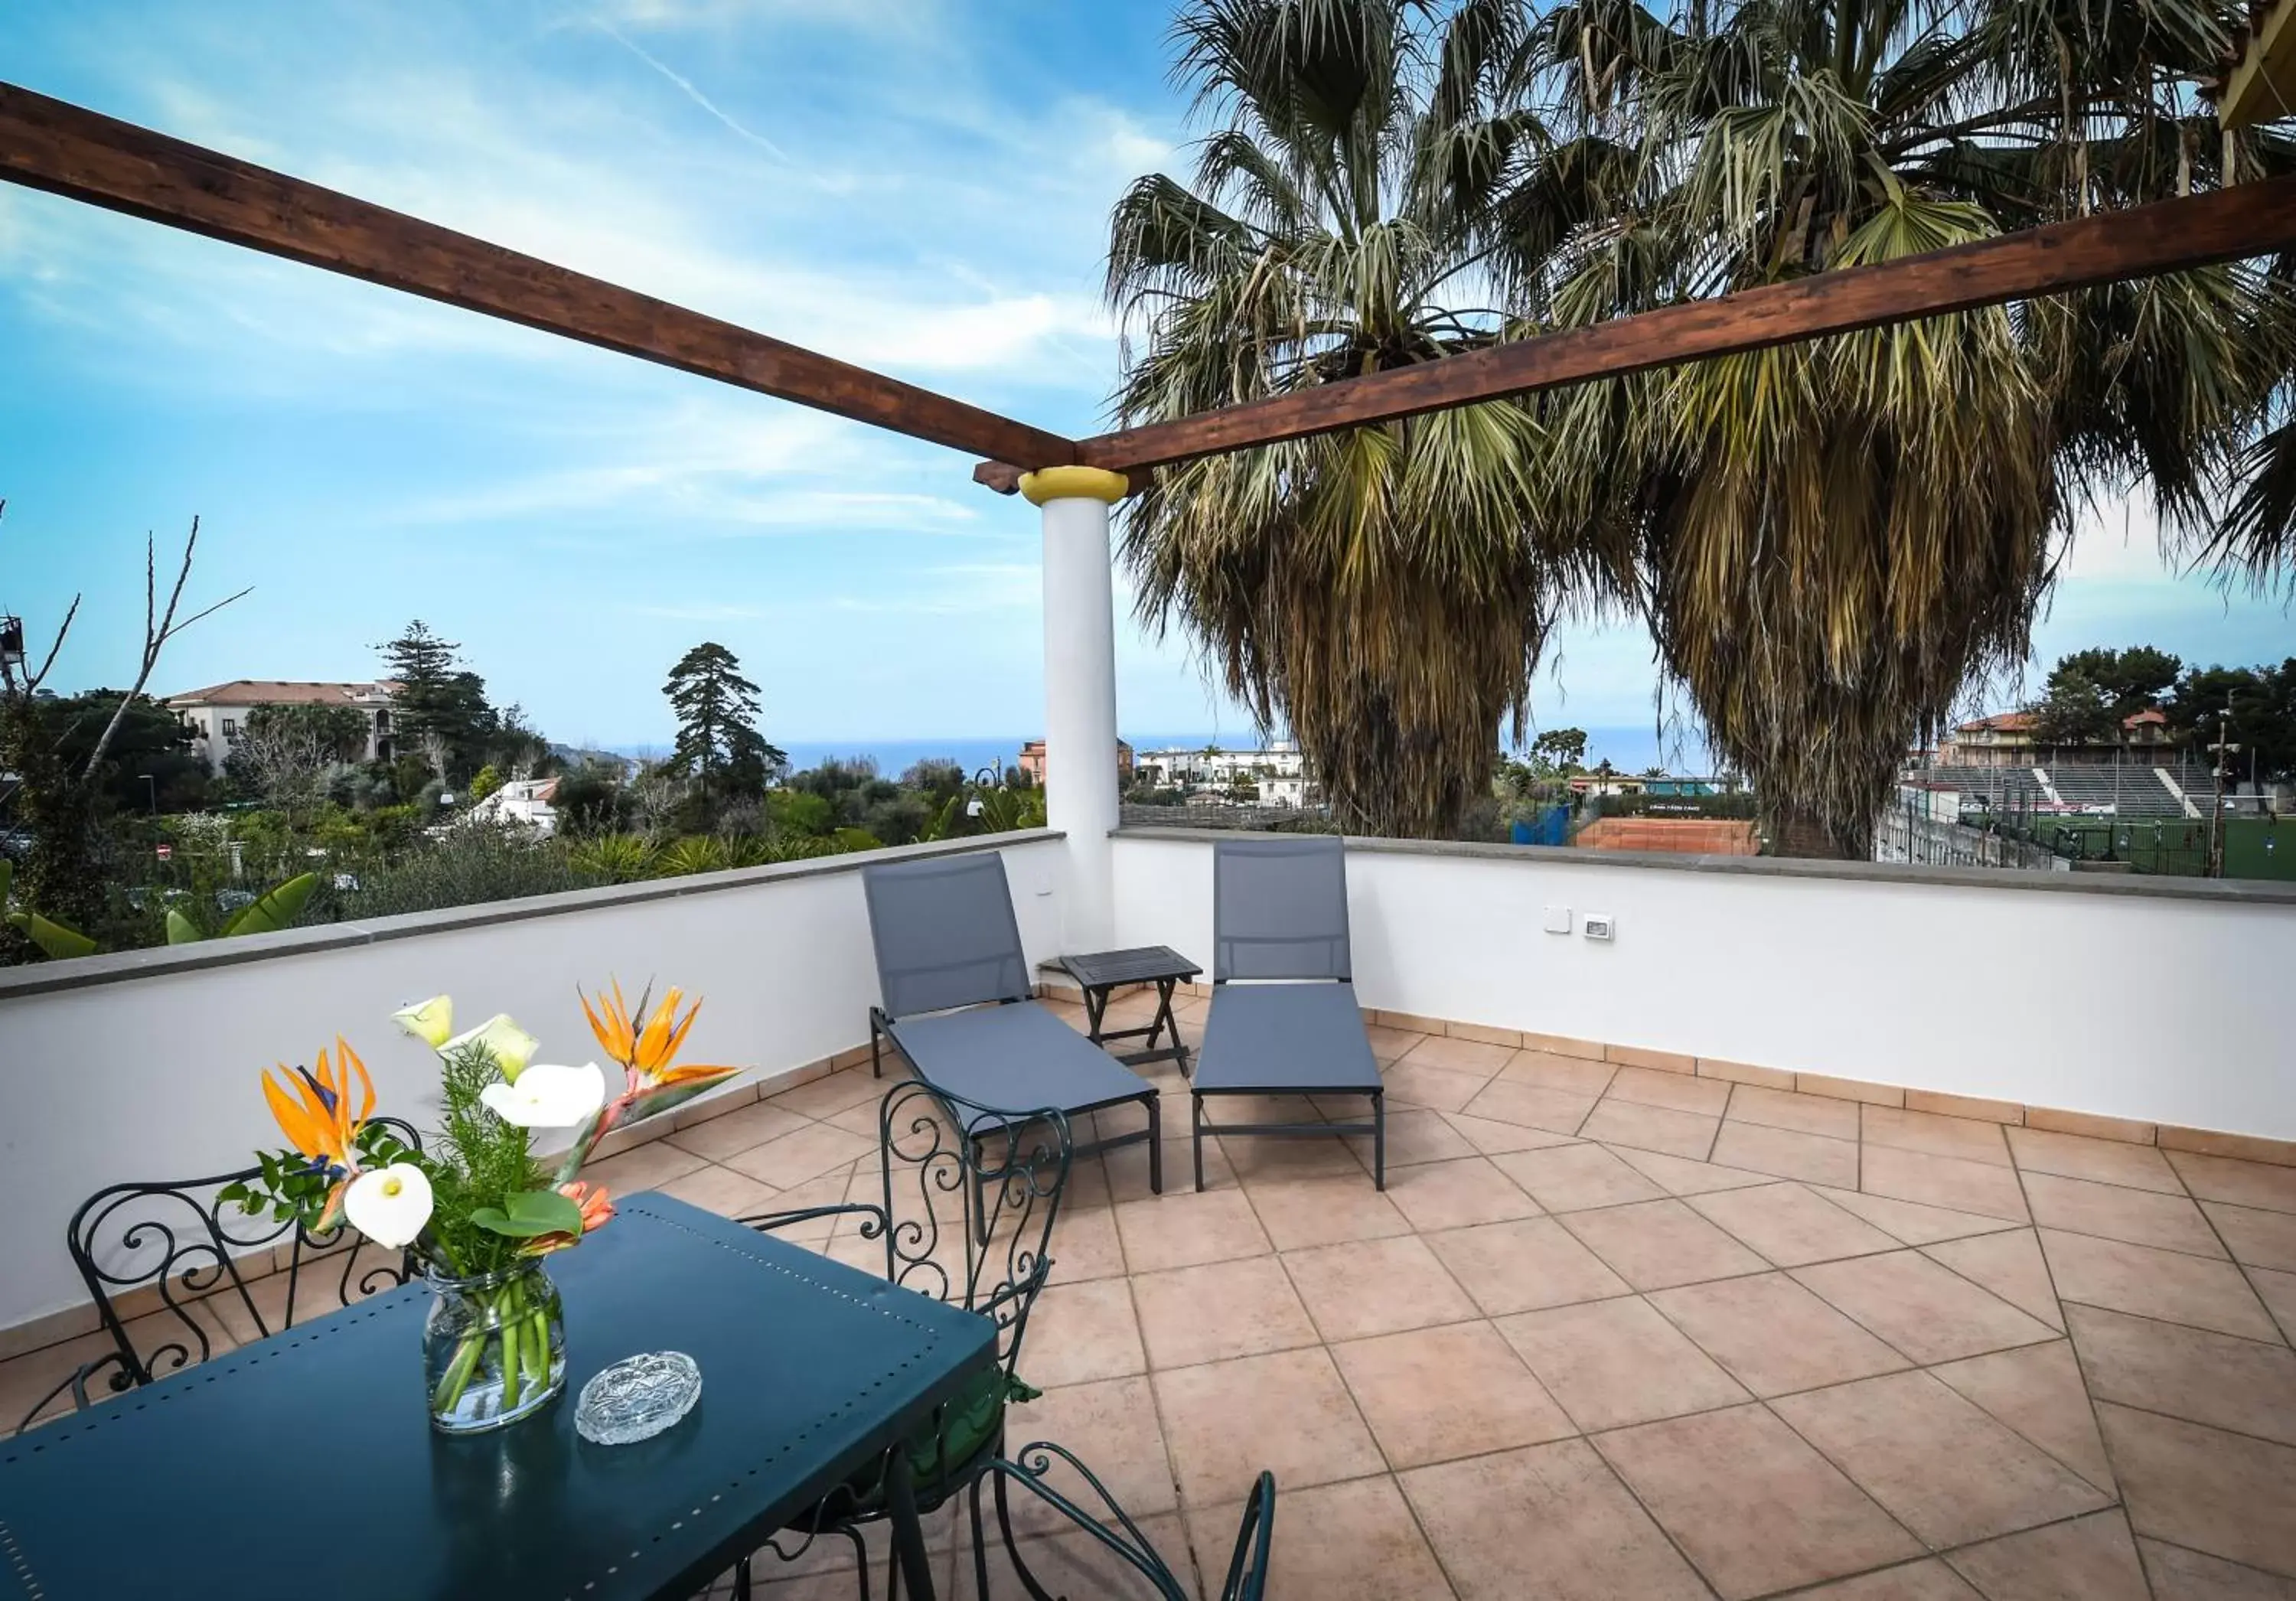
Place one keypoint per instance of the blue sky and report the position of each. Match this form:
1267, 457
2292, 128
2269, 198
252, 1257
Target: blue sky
918, 185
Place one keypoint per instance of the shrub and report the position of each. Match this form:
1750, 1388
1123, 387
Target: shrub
591, 800
463, 866
614, 858
695, 853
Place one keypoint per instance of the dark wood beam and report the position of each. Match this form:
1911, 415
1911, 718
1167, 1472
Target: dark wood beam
2247, 220
1003, 477
67, 150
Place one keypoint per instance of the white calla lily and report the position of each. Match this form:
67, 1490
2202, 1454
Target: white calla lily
390, 1205
431, 1021
511, 1046
548, 1096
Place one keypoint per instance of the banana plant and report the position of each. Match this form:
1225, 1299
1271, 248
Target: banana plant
274, 909
54, 939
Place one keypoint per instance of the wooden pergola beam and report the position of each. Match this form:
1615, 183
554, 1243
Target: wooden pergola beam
67, 150
2230, 224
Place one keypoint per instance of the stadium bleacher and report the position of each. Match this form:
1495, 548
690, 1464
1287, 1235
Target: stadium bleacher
2002, 786
2131, 791
2136, 792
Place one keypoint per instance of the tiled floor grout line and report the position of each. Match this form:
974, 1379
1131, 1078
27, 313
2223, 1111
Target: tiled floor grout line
1363, 1419
1826, 1457
2245, 1567
2239, 1266
1657, 1523
2111, 1490
2080, 1368
1946, 1554
1156, 1401
2221, 1428
1393, 1473
1988, 1289
2114, 1311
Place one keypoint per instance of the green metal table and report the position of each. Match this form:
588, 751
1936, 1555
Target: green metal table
305, 1465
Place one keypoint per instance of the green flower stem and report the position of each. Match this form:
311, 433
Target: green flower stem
520, 1330
457, 1377
537, 1342
510, 1307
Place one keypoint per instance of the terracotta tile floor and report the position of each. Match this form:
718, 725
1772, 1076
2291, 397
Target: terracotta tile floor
1615, 1333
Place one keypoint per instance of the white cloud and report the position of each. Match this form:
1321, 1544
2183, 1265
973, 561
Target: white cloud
2119, 542
870, 246
865, 16
685, 86
717, 464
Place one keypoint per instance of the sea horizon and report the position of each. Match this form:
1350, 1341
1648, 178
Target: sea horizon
1628, 748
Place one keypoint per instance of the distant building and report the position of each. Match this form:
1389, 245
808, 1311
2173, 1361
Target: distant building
2011, 739
1276, 773
2003, 740
528, 801
1032, 761
217, 715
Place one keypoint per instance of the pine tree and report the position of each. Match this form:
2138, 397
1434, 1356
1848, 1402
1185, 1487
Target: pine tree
439, 703
717, 739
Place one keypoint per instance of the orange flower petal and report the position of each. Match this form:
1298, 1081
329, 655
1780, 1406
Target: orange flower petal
366, 1084
331, 1214
598, 1029
692, 1070
678, 1034
293, 1121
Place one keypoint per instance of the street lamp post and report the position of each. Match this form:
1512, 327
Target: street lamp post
987, 778
2223, 750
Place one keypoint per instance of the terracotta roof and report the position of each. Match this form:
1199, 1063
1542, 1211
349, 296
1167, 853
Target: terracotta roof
2151, 714
276, 692
2006, 722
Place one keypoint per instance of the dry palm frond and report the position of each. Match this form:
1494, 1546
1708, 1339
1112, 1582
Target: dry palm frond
1829, 542
1836, 540
1384, 592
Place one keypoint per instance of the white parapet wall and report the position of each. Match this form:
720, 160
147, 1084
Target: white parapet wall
2161, 1000
144, 1066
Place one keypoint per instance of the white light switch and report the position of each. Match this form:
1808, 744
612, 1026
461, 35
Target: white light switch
1558, 920
1599, 926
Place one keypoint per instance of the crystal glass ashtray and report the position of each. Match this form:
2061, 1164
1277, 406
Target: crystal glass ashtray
638, 1397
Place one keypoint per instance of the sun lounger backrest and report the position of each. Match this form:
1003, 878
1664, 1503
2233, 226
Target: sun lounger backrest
1280, 909
945, 934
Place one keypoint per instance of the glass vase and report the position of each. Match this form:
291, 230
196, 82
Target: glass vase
494, 1348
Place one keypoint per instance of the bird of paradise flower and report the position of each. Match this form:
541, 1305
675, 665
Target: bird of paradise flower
644, 1040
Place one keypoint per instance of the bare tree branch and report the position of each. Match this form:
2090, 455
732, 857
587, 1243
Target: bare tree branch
32, 680
210, 611
157, 631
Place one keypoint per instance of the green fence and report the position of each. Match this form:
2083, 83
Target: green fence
2253, 847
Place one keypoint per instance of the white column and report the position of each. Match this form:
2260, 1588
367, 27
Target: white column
1080, 794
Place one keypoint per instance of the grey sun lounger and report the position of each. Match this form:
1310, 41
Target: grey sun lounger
1280, 914
956, 1002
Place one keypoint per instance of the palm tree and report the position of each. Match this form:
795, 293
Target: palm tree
1836, 539
1384, 592
2256, 538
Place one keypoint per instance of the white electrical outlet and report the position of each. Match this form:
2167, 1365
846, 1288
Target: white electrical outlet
1558, 920
1600, 925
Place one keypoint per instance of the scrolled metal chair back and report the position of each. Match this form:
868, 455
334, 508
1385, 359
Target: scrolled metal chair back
1032, 1467
193, 1256
971, 1192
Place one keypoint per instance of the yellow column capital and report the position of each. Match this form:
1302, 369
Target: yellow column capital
1074, 483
